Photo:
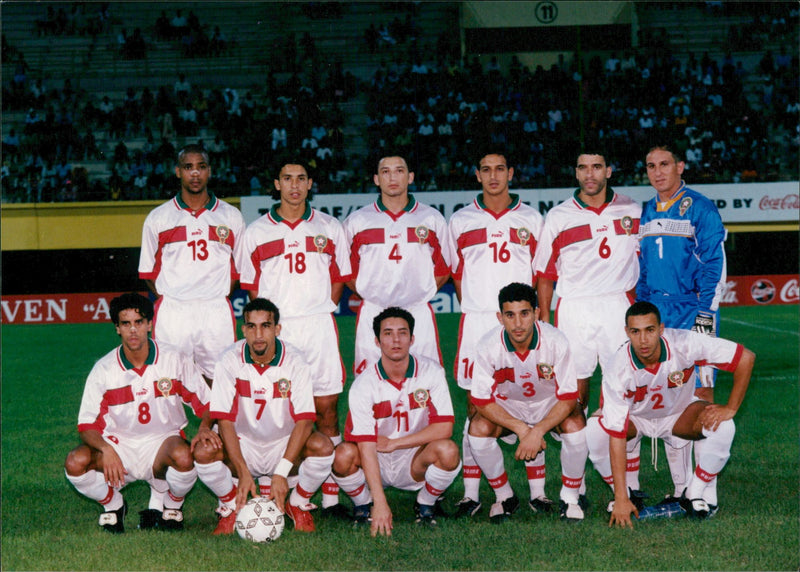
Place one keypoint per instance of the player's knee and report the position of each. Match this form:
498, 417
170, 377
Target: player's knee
345, 461
182, 459
448, 455
575, 422
203, 453
479, 426
318, 445
78, 461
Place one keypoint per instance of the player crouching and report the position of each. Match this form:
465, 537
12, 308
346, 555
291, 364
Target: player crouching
263, 401
131, 420
524, 385
398, 431
649, 390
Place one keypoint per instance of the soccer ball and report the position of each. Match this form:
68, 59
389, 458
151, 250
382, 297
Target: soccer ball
260, 520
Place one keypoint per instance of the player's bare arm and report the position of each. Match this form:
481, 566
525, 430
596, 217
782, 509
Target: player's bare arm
336, 292
297, 440
205, 435
432, 432
113, 470
151, 285
715, 414
230, 440
544, 291
457, 286
381, 513
442, 280
531, 440
623, 507
352, 285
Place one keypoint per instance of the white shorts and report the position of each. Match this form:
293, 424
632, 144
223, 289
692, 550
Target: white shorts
200, 329
318, 339
660, 428
472, 327
138, 456
396, 469
529, 412
262, 459
426, 335
595, 328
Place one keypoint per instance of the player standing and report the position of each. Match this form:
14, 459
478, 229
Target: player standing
682, 267
263, 401
297, 257
398, 429
649, 390
399, 257
492, 243
131, 422
525, 385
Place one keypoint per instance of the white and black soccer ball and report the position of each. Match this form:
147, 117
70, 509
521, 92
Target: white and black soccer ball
260, 520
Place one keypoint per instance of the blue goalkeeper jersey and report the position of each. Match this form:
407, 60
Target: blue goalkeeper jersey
682, 257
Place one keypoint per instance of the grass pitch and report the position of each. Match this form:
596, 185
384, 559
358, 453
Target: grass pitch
46, 525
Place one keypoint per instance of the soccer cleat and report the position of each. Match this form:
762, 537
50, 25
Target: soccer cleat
361, 515
697, 509
669, 499
425, 515
227, 521
637, 498
171, 519
113, 520
335, 511
571, 512
583, 502
438, 508
541, 504
149, 519
301, 517
502, 511
467, 507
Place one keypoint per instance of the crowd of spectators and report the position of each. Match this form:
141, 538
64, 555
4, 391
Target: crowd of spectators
423, 101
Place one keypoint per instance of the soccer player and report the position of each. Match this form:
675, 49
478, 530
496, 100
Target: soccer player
263, 401
131, 422
298, 258
589, 246
524, 385
492, 243
682, 267
398, 429
399, 257
649, 390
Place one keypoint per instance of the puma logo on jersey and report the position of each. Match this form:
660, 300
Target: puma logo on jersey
141, 392
197, 232
497, 235
603, 228
526, 375
294, 244
261, 391
394, 236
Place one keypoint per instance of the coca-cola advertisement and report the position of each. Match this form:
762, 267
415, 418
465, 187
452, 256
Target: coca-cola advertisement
761, 290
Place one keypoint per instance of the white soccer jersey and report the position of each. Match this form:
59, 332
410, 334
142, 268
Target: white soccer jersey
263, 402
396, 258
490, 250
667, 388
127, 403
590, 251
294, 264
191, 256
528, 385
379, 406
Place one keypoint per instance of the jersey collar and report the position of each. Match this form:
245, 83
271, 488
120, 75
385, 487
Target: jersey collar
276, 360
664, 206
637, 363
534, 340
212, 202
273, 213
410, 372
412, 202
511, 207
583, 205
152, 353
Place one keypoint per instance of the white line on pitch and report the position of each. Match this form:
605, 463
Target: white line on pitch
759, 327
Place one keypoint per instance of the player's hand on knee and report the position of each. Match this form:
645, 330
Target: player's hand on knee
247, 486
530, 443
713, 415
208, 438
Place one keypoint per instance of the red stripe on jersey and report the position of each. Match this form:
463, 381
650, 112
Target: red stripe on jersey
530, 240
382, 410
727, 366
118, 396
214, 236
243, 387
564, 239
687, 373
349, 436
619, 229
177, 234
440, 267
260, 253
311, 246
503, 375
367, 236
467, 239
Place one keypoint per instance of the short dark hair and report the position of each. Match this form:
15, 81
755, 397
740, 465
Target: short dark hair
492, 151
392, 312
517, 292
593, 150
193, 148
262, 305
130, 301
388, 154
676, 155
642, 308
275, 193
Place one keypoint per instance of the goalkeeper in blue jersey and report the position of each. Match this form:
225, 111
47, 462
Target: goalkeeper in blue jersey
681, 266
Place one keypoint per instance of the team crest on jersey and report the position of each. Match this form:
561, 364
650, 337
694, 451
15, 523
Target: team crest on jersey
545, 370
422, 396
284, 386
320, 241
524, 235
422, 233
627, 225
675, 377
223, 232
164, 385
686, 202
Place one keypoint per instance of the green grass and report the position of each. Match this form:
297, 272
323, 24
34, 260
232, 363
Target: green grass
46, 525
